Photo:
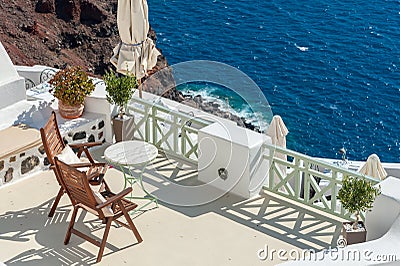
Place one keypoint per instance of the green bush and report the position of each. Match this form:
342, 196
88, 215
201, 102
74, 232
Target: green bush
71, 85
119, 89
357, 195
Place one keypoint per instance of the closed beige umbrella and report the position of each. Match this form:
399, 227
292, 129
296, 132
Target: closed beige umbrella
136, 53
373, 167
277, 130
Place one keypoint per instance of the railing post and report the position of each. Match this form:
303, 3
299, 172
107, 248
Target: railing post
147, 123
334, 191
271, 169
306, 181
297, 176
183, 140
176, 134
154, 123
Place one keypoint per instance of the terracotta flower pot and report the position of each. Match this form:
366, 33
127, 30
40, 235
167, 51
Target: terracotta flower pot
70, 112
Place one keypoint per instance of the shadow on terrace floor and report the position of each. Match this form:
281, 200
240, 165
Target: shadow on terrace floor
267, 213
22, 226
35, 239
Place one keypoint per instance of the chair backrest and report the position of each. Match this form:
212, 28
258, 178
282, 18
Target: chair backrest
76, 184
51, 138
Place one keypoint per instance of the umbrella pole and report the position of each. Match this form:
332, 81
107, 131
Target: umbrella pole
140, 88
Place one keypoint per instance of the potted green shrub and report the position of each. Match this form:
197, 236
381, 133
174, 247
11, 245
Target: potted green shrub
356, 195
70, 86
120, 90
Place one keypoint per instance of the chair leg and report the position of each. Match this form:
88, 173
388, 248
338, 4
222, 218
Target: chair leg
106, 186
56, 201
104, 241
88, 155
71, 225
131, 224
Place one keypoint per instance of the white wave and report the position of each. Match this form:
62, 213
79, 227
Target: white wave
256, 119
301, 48
206, 93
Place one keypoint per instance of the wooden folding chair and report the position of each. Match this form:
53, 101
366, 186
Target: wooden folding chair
54, 145
106, 205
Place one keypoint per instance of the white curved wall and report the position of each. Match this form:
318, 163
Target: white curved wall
7, 70
12, 86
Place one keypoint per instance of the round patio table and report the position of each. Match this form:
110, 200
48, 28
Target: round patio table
133, 154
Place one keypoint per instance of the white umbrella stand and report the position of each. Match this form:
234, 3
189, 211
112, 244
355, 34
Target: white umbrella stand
136, 53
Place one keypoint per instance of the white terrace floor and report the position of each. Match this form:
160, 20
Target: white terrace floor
228, 231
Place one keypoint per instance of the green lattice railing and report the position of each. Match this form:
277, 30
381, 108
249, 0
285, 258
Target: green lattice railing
308, 180
172, 131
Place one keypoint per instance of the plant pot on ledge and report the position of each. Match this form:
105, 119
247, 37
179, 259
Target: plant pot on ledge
354, 236
70, 112
123, 128
120, 91
356, 195
70, 86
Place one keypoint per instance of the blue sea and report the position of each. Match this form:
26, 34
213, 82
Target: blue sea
331, 69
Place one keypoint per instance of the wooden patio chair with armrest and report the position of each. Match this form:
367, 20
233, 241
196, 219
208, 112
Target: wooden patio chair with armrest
53, 145
106, 205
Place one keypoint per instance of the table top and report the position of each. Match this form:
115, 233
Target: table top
131, 153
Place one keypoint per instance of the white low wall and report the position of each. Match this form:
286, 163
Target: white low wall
20, 165
94, 103
97, 103
23, 163
36, 74
392, 169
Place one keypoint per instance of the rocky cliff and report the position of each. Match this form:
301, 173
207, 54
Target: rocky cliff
78, 32
59, 32
62, 32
